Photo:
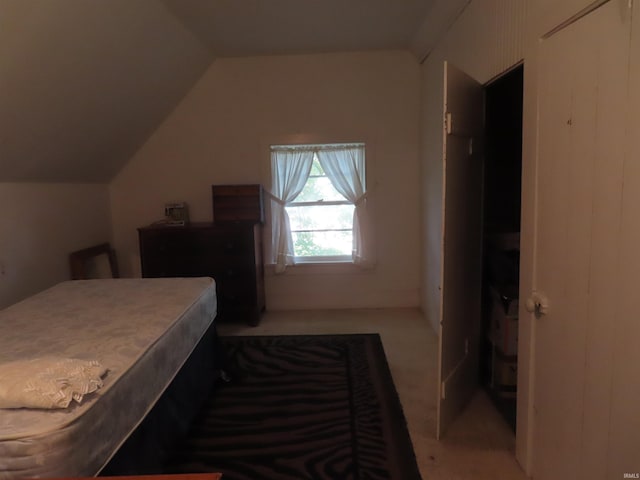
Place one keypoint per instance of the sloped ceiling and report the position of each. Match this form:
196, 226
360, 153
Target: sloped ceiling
83, 83
266, 27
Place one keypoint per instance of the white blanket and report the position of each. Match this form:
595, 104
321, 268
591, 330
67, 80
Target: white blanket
49, 382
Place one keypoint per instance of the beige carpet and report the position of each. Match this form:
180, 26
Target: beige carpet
478, 446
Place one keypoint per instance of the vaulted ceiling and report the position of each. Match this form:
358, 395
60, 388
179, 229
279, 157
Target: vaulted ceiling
83, 83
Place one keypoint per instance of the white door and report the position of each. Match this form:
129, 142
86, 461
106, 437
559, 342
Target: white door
583, 76
624, 431
459, 335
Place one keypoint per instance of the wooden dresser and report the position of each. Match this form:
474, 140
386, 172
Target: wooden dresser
231, 253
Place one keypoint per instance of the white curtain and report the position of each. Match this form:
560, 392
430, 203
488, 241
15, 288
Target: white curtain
345, 167
290, 169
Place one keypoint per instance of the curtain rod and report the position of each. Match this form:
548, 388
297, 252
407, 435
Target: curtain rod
320, 146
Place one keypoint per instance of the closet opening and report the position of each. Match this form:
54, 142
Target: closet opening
501, 240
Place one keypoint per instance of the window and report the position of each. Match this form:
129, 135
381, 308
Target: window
318, 204
321, 220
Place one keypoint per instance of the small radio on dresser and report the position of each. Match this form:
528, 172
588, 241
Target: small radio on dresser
176, 213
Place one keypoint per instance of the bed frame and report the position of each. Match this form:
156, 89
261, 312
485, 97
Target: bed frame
150, 445
157, 340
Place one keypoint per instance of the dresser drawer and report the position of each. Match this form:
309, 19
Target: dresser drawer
230, 253
173, 253
237, 203
236, 278
233, 295
232, 248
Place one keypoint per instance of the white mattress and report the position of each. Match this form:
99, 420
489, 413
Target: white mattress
141, 330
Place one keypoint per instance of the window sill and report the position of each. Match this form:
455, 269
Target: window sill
319, 268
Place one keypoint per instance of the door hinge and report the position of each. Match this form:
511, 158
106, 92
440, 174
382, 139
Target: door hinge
471, 146
448, 121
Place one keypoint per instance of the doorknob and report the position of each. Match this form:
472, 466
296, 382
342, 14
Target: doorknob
537, 303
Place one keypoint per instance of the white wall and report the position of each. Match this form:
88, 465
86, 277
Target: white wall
41, 224
221, 132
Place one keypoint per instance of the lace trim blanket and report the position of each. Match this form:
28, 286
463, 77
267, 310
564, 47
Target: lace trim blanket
49, 382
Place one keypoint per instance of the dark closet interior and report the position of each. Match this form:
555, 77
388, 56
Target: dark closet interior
501, 251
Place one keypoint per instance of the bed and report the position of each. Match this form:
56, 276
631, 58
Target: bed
149, 335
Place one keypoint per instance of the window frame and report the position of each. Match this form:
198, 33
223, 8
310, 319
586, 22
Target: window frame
322, 265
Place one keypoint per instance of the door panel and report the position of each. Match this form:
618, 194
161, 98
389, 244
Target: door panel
462, 244
624, 449
583, 82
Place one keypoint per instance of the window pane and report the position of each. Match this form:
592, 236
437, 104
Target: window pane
319, 188
316, 168
309, 244
319, 217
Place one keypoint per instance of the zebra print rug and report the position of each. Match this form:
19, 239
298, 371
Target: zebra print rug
302, 407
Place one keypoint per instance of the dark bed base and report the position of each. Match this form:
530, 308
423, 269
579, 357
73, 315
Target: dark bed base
147, 448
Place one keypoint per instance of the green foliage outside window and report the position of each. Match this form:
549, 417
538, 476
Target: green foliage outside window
309, 243
306, 246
